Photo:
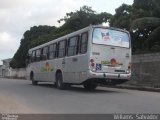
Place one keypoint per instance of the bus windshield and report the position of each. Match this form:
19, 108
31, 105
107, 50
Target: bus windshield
110, 37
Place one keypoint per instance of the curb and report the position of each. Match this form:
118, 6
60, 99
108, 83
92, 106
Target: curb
150, 89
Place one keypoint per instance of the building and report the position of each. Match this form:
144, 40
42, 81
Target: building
5, 69
1, 68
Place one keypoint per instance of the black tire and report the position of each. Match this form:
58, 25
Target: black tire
59, 81
32, 79
90, 86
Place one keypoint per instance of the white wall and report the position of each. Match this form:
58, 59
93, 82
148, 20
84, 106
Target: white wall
19, 73
14, 73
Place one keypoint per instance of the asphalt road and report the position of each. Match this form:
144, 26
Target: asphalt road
19, 96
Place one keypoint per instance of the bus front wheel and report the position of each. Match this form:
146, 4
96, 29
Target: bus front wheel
59, 81
90, 86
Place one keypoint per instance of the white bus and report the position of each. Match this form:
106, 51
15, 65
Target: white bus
89, 57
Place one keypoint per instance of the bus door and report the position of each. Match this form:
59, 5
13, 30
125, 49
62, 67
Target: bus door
77, 59
71, 60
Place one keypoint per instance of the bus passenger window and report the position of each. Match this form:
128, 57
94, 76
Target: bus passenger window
72, 46
45, 53
33, 57
38, 54
83, 43
52, 51
61, 49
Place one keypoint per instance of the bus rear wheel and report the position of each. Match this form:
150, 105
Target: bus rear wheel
90, 86
32, 79
59, 81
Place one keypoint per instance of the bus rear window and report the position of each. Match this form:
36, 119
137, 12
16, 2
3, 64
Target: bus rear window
110, 37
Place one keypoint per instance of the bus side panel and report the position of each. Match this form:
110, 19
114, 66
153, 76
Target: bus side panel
47, 71
34, 67
85, 66
75, 67
53, 67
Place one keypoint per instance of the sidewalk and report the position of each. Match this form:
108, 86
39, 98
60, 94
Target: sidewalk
131, 87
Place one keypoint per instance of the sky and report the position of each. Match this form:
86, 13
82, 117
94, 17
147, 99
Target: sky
17, 16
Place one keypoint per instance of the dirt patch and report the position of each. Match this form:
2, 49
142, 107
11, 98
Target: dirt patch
8, 105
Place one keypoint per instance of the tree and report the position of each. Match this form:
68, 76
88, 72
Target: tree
84, 17
141, 19
145, 23
20, 56
122, 17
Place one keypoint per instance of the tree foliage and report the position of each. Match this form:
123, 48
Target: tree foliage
122, 17
84, 17
26, 43
141, 19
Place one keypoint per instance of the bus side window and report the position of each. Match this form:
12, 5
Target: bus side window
38, 54
45, 53
83, 43
33, 57
52, 51
72, 46
61, 49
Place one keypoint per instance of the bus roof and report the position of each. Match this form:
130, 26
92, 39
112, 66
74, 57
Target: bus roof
74, 33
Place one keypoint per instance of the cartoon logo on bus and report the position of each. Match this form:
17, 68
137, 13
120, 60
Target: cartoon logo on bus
46, 67
112, 63
105, 36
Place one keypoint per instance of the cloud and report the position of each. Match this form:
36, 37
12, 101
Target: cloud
8, 46
35, 12
17, 16
7, 43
